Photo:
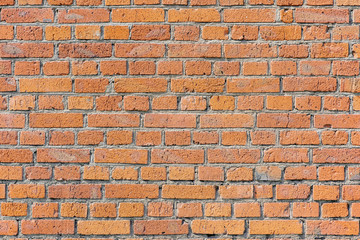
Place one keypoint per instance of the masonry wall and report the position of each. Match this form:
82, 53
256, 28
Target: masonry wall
179, 119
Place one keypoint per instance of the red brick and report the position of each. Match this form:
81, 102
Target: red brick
233, 155
13, 209
231, 227
74, 191
244, 32
113, 120
276, 209
194, 15
282, 227
251, 50
300, 191
292, 155
249, 15
205, 137
138, 15
72, 209
210, 173
186, 33
226, 121
236, 191
83, 15
52, 227
250, 209
134, 85
169, 120
181, 173
26, 50
327, 227
133, 156
188, 210
160, 227
103, 227
16, 156
45, 210
188, 192
27, 15
325, 192
184, 156
103, 210
38, 173
197, 85
131, 209
26, 191
193, 103
306, 209
300, 173
152, 32
10, 227
142, 68
29, 33
312, 84
307, 15
131, 191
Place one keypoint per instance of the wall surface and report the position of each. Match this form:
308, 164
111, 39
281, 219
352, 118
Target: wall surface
179, 119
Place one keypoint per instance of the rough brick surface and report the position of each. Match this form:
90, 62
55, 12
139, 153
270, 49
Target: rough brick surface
179, 119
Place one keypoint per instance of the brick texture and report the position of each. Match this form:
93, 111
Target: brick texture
179, 119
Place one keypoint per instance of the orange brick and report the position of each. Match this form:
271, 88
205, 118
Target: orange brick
211, 173
217, 209
87, 32
186, 33
96, 173
236, 191
126, 173
300, 191
103, 227
247, 210
181, 173
279, 102
26, 191
160, 209
74, 191
22, 103
325, 192
239, 174
136, 103
205, 137
330, 210
54, 227
270, 173
13, 209
255, 68
305, 209
127, 209
282, 227
45, 210
153, 173
277, 209
232, 227
103, 210
57, 33
188, 210
148, 138
119, 137
179, 138
38, 173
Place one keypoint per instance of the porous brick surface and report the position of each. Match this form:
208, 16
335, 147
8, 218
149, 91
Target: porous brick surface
179, 119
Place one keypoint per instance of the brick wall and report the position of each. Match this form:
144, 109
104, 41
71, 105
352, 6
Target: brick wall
179, 119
